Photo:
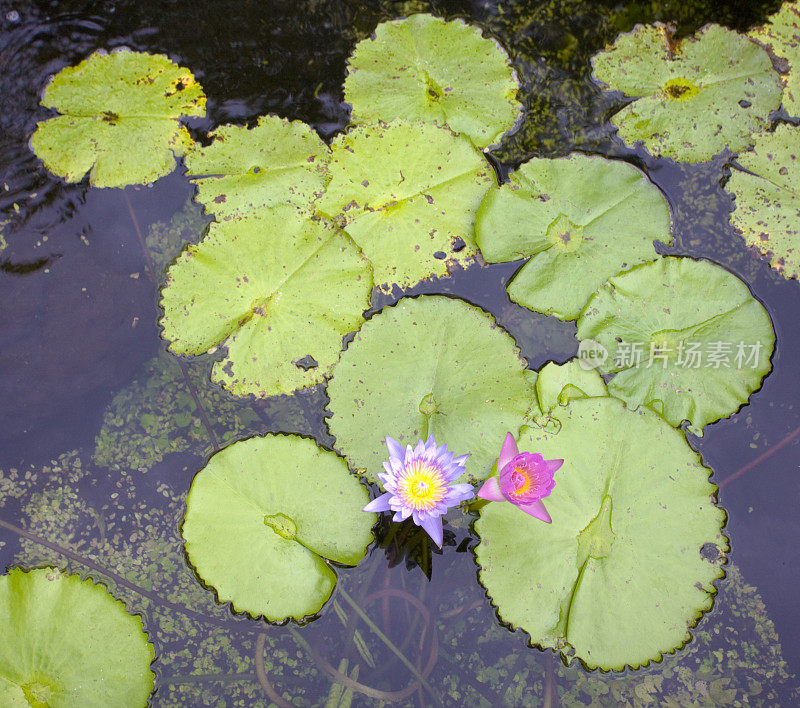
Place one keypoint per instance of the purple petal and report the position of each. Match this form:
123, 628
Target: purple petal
508, 452
458, 493
491, 490
553, 465
536, 508
379, 504
452, 472
395, 448
433, 527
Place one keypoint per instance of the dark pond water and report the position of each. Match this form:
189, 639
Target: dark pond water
100, 438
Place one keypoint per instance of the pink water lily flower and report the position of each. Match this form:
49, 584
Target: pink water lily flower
524, 479
420, 483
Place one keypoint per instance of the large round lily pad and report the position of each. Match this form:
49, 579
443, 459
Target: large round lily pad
67, 642
407, 193
781, 35
119, 118
693, 97
624, 570
430, 365
262, 517
768, 201
424, 68
273, 163
280, 290
581, 219
684, 337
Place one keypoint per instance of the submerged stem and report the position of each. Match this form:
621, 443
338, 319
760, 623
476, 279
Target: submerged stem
261, 674
339, 677
151, 271
388, 642
763, 456
550, 685
119, 580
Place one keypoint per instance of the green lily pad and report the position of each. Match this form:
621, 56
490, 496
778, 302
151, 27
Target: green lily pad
262, 517
693, 97
281, 291
429, 365
684, 337
768, 201
781, 36
67, 642
557, 384
581, 218
407, 193
119, 118
273, 163
424, 68
623, 571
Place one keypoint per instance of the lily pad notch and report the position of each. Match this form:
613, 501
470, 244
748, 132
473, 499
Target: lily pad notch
120, 118
407, 193
579, 220
692, 98
684, 337
768, 198
274, 163
429, 69
428, 365
68, 642
275, 288
625, 569
265, 518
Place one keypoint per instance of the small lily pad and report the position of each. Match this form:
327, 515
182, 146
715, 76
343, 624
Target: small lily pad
557, 384
624, 569
424, 68
119, 118
67, 642
273, 163
263, 516
407, 193
276, 288
767, 210
781, 36
693, 98
684, 337
429, 365
581, 219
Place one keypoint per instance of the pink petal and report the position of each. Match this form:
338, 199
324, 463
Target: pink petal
491, 490
536, 508
508, 452
553, 465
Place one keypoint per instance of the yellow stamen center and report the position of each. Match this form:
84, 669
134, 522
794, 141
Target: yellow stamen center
422, 485
521, 479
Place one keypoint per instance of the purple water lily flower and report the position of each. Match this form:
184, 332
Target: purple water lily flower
419, 484
524, 478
